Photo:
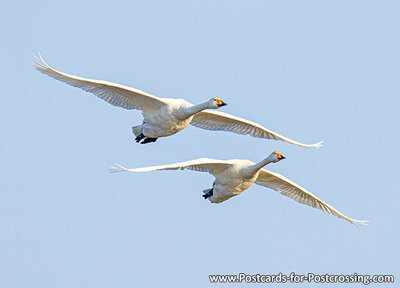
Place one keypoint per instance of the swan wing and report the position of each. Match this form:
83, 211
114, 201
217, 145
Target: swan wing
115, 94
211, 166
288, 188
219, 121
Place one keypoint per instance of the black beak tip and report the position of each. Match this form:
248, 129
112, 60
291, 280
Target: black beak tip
222, 104
283, 157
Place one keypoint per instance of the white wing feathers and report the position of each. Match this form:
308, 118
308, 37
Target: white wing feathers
288, 188
115, 94
211, 166
215, 120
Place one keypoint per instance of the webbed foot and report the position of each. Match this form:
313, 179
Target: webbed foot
208, 194
139, 137
148, 140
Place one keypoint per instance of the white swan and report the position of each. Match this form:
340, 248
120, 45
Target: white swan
163, 116
232, 177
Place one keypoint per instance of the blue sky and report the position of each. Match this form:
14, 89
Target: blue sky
310, 70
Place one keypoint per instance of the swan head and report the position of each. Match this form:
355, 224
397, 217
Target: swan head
277, 156
216, 103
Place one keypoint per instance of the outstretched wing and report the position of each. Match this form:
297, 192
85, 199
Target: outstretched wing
219, 121
211, 166
115, 94
288, 188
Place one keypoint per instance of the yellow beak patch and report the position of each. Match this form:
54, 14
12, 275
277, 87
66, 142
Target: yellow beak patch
219, 101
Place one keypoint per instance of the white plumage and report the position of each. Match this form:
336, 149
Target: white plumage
232, 177
162, 116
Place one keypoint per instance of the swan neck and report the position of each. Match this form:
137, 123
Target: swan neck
197, 108
256, 167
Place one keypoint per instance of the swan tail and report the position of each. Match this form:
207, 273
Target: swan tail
137, 130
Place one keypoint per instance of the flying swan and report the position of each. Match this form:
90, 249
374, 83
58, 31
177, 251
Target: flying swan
232, 177
163, 116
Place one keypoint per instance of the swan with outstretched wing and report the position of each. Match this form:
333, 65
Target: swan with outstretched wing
232, 177
163, 116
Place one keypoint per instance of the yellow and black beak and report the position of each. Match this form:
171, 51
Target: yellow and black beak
279, 155
222, 103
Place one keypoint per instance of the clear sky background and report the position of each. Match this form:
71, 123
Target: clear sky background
310, 70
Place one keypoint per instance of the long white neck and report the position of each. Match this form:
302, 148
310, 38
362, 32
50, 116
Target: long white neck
197, 108
254, 168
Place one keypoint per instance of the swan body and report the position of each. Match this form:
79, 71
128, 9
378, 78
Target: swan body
162, 116
233, 180
232, 177
169, 119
